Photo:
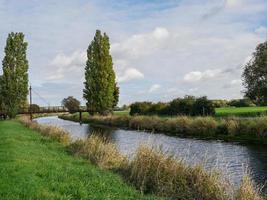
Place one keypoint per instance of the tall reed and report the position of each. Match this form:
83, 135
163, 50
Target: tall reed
198, 126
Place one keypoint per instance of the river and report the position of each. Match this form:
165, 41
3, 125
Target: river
231, 158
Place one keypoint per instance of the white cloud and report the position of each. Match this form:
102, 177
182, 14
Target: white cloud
261, 30
129, 74
154, 88
236, 82
63, 65
140, 44
195, 76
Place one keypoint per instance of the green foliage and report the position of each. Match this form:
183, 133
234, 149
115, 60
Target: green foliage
35, 108
219, 103
71, 104
140, 108
255, 75
99, 76
183, 106
241, 103
116, 95
14, 82
203, 106
189, 105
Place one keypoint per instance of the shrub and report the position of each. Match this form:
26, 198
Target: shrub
241, 103
203, 106
140, 108
71, 104
35, 108
189, 105
183, 106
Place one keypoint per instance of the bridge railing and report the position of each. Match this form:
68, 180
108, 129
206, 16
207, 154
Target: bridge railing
49, 109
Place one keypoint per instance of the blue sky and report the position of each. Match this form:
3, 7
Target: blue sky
161, 49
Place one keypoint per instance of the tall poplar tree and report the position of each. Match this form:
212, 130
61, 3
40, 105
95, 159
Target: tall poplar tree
14, 86
99, 76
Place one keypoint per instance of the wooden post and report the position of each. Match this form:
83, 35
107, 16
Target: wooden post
30, 109
80, 116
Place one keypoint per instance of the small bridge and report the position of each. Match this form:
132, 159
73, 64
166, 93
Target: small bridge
52, 109
30, 110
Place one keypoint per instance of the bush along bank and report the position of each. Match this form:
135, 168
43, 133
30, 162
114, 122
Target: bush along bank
152, 171
248, 130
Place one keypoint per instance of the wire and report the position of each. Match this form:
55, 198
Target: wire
43, 99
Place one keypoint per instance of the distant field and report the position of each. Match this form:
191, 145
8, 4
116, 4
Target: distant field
220, 112
122, 113
241, 112
223, 112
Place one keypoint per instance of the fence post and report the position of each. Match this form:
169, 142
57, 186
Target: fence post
80, 116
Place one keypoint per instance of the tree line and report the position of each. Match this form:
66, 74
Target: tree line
189, 105
101, 92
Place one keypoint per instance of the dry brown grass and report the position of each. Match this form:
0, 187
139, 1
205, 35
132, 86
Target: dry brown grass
53, 132
248, 191
153, 171
99, 152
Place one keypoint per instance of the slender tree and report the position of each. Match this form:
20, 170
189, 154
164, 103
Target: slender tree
99, 76
116, 95
255, 75
14, 86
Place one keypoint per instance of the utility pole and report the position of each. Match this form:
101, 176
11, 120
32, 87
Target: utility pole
30, 108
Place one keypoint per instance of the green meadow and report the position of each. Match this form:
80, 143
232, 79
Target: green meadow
35, 167
241, 112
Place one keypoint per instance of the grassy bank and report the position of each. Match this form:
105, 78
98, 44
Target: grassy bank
36, 167
252, 130
256, 111
152, 171
241, 112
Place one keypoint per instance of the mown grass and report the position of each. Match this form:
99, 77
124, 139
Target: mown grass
36, 167
241, 112
152, 171
245, 130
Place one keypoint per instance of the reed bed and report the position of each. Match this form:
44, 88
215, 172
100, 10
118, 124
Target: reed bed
152, 171
100, 152
198, 126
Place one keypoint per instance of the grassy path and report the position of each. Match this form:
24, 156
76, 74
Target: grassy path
34, 167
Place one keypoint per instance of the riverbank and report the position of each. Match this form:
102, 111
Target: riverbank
243, 130
35, 167
152, 171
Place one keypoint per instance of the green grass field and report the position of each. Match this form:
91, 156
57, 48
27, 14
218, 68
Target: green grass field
34, 167
224, 112
241, 112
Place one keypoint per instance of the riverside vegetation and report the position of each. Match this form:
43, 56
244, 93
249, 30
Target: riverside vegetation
247, 130
153, 172
33, 165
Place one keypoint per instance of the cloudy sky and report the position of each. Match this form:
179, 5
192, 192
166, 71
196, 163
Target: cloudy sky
161, 49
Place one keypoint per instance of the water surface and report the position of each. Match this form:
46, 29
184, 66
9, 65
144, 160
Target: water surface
231, 158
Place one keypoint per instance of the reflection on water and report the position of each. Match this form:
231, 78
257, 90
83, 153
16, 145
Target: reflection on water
229, 157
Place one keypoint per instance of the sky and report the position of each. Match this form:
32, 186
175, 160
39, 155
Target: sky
161, 49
